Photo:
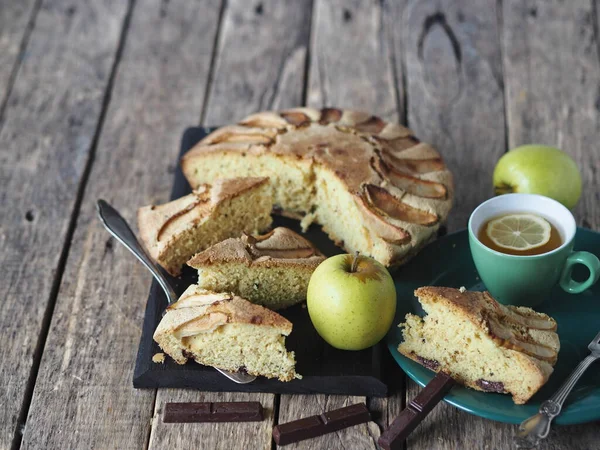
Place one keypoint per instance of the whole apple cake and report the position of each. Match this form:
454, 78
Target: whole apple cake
372, 185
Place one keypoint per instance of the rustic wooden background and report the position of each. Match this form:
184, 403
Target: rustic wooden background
94, 96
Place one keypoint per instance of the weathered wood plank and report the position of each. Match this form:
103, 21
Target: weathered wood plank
553, 86
350, 65
476, 148
260, 60
14, 29
293, 407
49, 123
453, 70
350, 68
217, 436
552, 76
455, 91
83, 397
259, 65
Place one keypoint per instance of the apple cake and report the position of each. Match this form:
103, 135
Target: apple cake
175, 231
481, 343
372, 185
225, 331
272, 270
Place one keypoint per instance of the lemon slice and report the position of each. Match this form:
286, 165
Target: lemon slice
519, 231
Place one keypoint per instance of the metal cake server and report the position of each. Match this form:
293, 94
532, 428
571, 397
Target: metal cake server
118, 227
537, 427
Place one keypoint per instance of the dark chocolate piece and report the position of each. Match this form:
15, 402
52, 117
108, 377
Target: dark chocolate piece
491, 386
314, 426
431, 364
418, 408
213, 412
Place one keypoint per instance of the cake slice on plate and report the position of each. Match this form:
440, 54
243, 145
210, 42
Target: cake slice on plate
272, 270
225, 331
481, 343
174, 232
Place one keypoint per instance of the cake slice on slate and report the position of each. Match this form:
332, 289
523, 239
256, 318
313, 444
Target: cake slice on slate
481, 343
272, 270
225, 331
174, 232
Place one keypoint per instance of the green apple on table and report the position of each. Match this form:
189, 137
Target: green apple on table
351, 301
539, 169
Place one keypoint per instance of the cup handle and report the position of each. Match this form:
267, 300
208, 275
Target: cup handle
587, 259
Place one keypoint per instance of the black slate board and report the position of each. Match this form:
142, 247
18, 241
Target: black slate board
325, 370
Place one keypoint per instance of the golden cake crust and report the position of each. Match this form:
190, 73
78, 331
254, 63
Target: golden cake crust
509, 326
281, 247
400, 185
200, 313
160, 225
527, 337
199, 310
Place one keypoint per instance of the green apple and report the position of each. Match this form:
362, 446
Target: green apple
351, 301
538, 169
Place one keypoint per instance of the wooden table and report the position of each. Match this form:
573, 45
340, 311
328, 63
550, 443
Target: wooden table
94, 96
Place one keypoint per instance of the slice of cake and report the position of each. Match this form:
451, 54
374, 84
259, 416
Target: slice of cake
481, 343
225, 331
271, 270
174, 232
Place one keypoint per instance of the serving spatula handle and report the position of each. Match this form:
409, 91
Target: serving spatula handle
414, 413
118, 227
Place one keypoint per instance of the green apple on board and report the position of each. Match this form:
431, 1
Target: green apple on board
539, 169
351, 301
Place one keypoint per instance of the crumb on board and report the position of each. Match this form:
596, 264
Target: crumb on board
158, 358
462, 289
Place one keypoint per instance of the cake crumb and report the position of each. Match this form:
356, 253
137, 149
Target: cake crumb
462, 289
307, 220
158, 358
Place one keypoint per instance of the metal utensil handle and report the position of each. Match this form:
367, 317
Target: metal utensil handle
537, 427
118, 227
561, 395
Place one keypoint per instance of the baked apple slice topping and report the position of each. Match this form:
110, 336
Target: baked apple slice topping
409, 183
384, 202
195, 300
267, 246
411, 165
380, 225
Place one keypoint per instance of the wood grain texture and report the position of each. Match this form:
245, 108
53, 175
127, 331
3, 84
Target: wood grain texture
553, 86
453, 71
552, 76
450, 54
350, 68
84, 396
358, 437
350, 65
259, 65
260, 60
14, 21
217, 436
53, 109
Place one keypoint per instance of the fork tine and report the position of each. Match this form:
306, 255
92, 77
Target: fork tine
596, 340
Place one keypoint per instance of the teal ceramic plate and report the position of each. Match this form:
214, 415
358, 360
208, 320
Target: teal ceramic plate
447, 262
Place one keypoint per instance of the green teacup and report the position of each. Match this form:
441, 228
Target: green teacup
527, 280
